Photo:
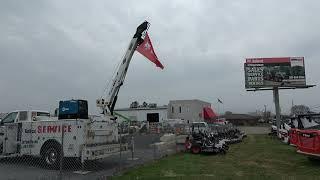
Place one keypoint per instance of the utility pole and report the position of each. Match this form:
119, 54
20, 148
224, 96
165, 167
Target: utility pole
277, 106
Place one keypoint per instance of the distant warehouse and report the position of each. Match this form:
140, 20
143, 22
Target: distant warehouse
145, 112
241, 119
188, 110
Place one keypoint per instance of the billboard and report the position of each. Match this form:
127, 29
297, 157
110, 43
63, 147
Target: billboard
274, 72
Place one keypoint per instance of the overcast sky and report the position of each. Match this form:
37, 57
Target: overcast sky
58, 50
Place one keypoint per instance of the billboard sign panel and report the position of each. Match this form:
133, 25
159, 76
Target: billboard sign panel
274, 72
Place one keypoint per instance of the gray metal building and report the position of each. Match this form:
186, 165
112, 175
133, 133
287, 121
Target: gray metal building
191, 110
143, 113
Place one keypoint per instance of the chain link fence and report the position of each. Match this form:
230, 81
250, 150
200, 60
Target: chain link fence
139, 142
143, 142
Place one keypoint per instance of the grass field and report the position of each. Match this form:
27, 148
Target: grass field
257, 157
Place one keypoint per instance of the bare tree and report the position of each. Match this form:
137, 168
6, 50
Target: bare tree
299, 109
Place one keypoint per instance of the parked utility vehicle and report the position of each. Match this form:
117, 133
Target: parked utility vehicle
73, 133
35, 133
304, 121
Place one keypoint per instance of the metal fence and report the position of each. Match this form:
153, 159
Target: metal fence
146, 141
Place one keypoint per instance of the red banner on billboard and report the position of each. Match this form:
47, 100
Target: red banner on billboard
269, 60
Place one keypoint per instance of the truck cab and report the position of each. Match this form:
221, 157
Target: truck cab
24, 116
35, 133
11, 128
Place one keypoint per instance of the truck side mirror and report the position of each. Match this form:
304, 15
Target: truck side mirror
1, 123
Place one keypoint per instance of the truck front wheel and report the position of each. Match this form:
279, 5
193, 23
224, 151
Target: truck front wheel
51, 156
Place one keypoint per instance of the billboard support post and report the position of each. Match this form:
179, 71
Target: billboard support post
275, 74
277, 107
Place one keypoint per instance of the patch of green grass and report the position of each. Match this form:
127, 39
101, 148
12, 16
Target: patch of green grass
257, 157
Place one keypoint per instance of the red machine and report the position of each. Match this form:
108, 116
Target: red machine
305, 121
293, 136
309, 142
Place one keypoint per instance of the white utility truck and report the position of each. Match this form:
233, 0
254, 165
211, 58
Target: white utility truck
73, 133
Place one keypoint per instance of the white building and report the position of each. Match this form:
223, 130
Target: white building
151, 113
188, 110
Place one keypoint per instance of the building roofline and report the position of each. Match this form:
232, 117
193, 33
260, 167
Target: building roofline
190, 100
141, 108
29, 110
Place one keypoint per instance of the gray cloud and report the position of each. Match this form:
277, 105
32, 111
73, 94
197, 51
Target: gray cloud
53, 50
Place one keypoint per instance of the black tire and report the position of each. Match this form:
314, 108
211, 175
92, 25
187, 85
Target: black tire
51, 156
226, 147
223, 151
313, 159
1, 148
195, 149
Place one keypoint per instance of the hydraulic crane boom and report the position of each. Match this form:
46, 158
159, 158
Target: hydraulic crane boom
108, 104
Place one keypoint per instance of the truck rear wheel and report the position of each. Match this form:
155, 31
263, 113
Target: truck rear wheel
51, 156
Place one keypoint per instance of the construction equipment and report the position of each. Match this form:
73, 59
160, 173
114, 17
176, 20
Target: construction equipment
107, 104
307, 139
308, 142
203, 140
73, 133
287, 130
304, 121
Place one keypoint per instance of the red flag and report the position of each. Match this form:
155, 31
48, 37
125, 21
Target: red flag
146, 49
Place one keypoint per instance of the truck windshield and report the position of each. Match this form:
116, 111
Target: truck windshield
10, 117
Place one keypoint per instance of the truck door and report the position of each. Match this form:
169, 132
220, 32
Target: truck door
25, 132
10, 133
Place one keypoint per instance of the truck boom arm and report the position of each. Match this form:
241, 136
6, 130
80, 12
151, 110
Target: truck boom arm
108, 104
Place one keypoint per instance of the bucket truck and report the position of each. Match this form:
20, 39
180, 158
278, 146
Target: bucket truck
73, 133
